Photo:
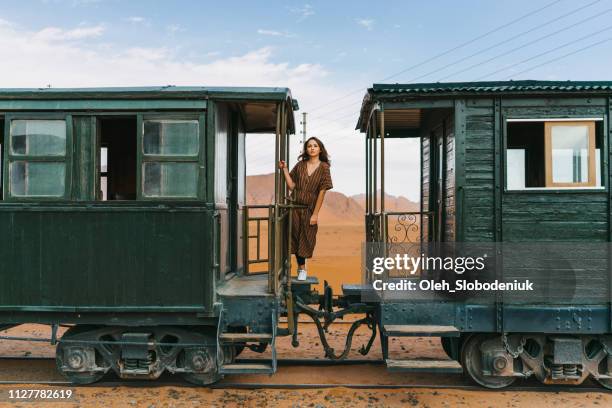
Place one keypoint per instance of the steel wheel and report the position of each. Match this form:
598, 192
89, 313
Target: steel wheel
471, 360
202, 356
205, 359
605, 382
85, 377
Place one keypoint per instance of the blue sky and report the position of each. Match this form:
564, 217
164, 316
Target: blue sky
327, 52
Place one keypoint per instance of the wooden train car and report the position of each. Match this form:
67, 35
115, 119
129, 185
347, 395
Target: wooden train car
523, 166
121, 216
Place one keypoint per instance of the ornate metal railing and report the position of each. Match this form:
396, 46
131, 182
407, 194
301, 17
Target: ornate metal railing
403, 229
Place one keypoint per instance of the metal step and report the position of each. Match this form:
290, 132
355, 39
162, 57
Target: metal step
243, 368
407, 330
245, 338
424, 366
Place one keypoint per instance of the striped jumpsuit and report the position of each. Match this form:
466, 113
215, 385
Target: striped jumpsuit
304, 235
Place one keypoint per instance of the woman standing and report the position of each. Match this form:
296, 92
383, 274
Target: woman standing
310, 178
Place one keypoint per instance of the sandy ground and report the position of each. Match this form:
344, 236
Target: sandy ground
337, 260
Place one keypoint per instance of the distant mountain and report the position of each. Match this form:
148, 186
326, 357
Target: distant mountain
392, 203
337, 208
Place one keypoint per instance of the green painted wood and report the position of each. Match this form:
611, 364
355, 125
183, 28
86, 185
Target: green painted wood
480, 174
210, 151
105, 258
203, 159
84, 104
555, 111
84, 164
460, 148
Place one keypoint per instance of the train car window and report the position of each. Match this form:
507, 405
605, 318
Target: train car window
117, 159
553, 154
170, 151
37, 166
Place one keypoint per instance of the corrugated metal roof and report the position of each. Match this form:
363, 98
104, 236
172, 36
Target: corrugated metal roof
458, 89
493, 86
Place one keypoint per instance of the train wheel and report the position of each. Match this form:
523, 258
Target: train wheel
605, 382
72, 358
204, 361
471, 359
200, 359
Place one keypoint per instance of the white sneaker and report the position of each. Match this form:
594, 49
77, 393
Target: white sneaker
302, 275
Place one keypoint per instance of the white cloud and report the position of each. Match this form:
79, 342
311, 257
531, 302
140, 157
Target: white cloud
304, 12
174, 28
137, 20
275, 33
367, 23
269, 32
35, 62
59, 34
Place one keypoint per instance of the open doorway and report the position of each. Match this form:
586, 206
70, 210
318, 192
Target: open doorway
117, 159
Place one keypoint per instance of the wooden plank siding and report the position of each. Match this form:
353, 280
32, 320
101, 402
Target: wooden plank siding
77, 256
425, 182
449, 180
479, 174
439, 121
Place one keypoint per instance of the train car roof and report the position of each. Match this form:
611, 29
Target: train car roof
258, 103
267, 93
441, 90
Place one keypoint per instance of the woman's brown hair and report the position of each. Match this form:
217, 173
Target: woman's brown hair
323, 156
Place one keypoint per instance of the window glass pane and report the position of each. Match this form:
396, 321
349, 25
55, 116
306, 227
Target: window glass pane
32, 179
570, 153
161, 179
171, 137
38, 137
515, 159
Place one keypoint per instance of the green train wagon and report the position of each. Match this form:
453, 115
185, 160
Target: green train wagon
122, 217
521, 170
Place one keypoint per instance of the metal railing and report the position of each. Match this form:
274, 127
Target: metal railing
406, 226
277, 256
402, 228
258, 220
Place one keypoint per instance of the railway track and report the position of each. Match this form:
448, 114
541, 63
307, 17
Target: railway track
456, 382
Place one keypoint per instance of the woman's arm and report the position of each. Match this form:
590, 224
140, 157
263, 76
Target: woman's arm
314, 219
283, 166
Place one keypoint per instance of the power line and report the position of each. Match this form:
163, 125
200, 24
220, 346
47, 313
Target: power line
539, 26
546, 52
561, 57
471, 41
326, 115
522, 46
532, 58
